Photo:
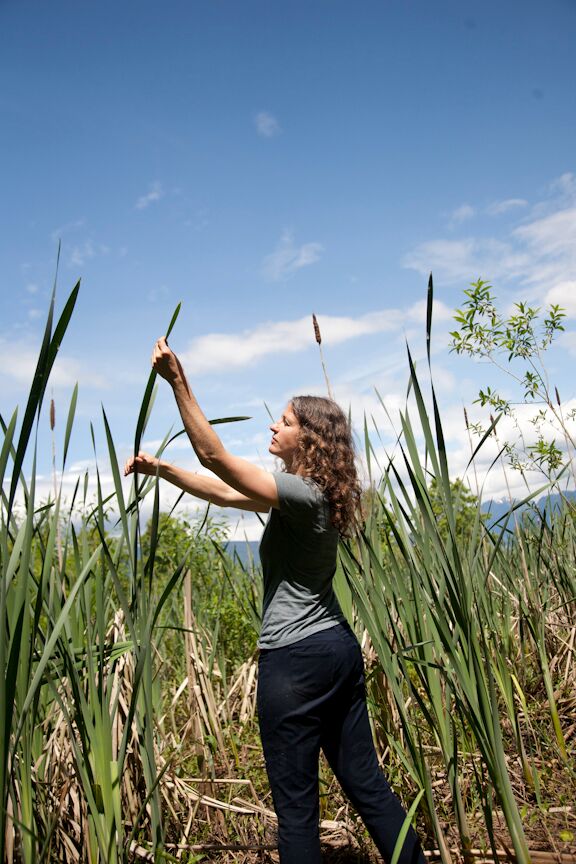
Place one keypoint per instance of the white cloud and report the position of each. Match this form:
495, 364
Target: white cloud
82, 253
497, 208
198, 221
159, 293
565, 186
563, 294
223, 351
266, 124
32, 288
18, 361
67, 228
492, 476
550, 243
288, 258
155, 193
568, 341
417, 312
451, 261
461, 214
540, 254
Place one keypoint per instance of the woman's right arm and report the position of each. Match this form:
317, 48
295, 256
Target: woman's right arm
210, 489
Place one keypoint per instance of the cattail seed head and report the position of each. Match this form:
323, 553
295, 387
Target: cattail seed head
557, 396
466, 419
316, 329
52, 415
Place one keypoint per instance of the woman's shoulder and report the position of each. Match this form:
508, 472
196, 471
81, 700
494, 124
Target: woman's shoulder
295, 490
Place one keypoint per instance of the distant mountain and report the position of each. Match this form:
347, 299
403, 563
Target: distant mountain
545, 504
246, 550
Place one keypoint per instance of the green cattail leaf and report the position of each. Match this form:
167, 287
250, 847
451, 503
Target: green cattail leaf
7, 447
69, 423
367, 449
483, 440
154, 524
46, 358
10, 686
148, 393
405, 828
227, 420
145, 409
53, 638
212, 423
173, 320
429, 309
116, 476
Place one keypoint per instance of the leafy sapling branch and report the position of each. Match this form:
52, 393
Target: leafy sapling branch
515, 344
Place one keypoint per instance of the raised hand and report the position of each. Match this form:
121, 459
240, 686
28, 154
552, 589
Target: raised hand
166, 363
144, 463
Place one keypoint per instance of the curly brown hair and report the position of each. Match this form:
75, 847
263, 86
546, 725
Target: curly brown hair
326, 455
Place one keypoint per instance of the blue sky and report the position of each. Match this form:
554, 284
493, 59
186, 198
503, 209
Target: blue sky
263, 160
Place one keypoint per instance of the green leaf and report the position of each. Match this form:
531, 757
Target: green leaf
148, 392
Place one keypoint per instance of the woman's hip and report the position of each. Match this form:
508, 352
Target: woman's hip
309, 673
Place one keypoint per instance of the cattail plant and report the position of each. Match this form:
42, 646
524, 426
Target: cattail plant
455, 626
318, 337
115, 746
54, 476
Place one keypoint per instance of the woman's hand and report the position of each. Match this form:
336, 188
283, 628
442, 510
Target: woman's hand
141, 464
166, 363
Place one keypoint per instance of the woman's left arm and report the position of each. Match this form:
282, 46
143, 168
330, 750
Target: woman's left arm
249, 479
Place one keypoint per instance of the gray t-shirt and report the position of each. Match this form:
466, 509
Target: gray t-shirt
298, 554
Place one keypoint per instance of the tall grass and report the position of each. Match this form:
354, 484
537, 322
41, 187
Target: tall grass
78, 694
456, 624
113, 747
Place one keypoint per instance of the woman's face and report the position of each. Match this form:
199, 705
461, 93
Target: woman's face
286, 430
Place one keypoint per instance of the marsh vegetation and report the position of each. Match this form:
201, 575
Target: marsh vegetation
128, 664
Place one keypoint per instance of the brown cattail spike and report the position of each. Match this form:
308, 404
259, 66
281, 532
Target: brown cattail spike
319, 342
316, 329
557, 396
52, 415
466, 419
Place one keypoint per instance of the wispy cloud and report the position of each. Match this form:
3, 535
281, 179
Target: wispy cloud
18, 361
81, 253
155, 193
267, 125
221, 351
462, 214
551, 246
76, 250
565, 186
159, 293
287, 258
540, 254
451, 261
497, 208
67, 228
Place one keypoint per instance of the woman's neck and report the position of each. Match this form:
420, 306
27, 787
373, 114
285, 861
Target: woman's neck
293, 468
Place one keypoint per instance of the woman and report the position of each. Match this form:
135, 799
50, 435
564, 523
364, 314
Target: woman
311, 692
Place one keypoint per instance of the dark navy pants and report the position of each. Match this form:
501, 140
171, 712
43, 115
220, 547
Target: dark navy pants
311, 696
